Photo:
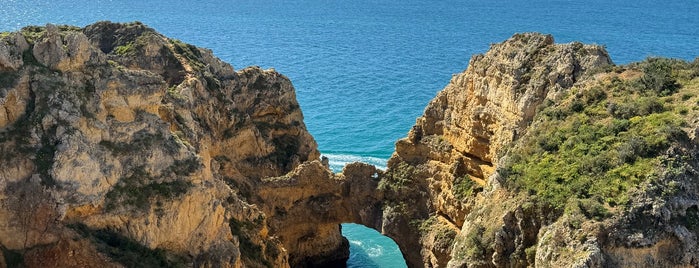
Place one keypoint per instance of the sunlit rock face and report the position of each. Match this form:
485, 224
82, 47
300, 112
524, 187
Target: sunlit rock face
120, 145
466, 128
448, 201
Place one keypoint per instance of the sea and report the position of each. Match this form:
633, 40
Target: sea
365, 69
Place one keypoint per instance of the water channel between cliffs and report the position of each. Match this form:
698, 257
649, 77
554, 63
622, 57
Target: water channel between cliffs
369, 248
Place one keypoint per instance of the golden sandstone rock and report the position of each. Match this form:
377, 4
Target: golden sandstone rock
134, 145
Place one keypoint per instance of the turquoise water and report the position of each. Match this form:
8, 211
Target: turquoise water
364, 70
370, 249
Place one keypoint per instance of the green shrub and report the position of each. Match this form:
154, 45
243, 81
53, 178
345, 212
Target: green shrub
189, 52
139, 190
476, 247
530, 252
125, 49
465, 187
597, 146
657, 76
628, 107
444, 237
32, 33
593, 209
398, 177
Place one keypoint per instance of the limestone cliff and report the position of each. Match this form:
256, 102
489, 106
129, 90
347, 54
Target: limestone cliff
544, 154
121, 146
452, 150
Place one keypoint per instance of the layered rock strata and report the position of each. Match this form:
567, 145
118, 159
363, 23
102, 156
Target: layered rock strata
468, 126
120, 145
448, 200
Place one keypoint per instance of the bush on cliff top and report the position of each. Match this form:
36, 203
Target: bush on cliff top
601, 142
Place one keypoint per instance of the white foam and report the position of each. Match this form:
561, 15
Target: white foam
356, 243
374, 251
338, 161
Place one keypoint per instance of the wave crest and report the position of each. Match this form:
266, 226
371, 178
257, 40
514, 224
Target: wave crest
338, 161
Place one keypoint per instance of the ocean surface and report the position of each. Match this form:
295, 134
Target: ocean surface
364, 70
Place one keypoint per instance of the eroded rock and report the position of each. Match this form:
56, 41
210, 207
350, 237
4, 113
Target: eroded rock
114, 132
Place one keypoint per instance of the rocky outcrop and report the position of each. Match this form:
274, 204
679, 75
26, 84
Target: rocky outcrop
121, 145
453, 148
307, 205
450, 195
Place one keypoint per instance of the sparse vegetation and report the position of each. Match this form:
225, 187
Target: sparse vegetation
443, 235
189, 52
140, 189
32, 33
465, 187
398, 177
601, 142
125, 49
251, 252
530, 253
185, 167
126, 251
476, 243
140, 141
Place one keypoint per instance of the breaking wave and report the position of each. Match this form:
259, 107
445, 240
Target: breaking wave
338, 161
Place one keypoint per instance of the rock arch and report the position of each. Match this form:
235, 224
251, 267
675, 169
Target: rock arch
306, 206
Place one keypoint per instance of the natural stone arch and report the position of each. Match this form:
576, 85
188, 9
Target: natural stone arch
305, 208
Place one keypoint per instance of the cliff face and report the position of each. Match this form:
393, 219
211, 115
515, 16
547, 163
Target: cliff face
120, 146
542, 154
453, 148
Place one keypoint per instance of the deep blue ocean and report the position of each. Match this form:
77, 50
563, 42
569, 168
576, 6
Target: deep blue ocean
364, 70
